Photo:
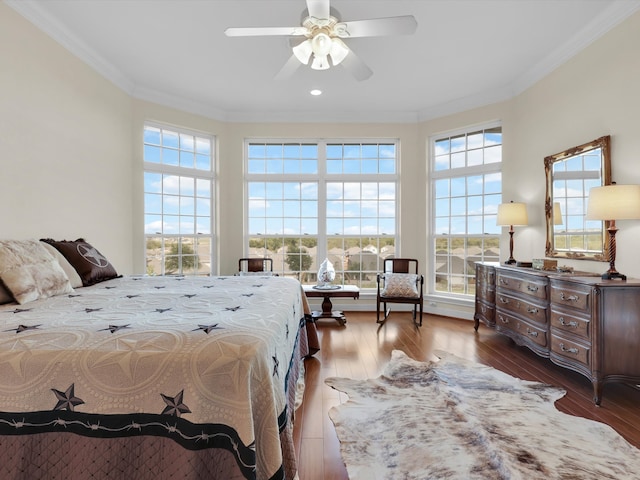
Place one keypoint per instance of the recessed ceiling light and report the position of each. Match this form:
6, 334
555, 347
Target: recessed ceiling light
315, 92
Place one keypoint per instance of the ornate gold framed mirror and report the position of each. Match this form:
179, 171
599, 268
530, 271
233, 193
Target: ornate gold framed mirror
570, 175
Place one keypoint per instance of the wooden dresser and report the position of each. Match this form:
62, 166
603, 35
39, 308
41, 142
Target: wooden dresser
583, 323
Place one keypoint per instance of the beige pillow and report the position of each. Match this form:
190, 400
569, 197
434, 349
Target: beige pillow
400, 285
265, 273
29, 272
74, 278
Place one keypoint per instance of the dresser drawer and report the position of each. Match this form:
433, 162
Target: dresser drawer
487, 312
567, 322
485, 274
524, 330
570, 350
532, 311
486, 293
532, 332
529, 285
574, 296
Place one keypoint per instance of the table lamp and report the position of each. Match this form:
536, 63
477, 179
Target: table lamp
610, 203
512, 214
557, 214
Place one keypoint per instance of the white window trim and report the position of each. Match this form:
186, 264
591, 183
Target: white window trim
211, 175
322, 178
432, 294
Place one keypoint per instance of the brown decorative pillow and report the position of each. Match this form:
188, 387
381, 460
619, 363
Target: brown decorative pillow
29, 272
5, 295
91, 265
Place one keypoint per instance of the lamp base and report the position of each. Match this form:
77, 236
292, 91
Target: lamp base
511, 261
613, 275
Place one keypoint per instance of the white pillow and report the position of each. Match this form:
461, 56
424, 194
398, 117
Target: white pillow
29, 272
74, 278
401, 285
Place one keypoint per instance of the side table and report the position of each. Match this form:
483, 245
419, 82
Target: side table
327, 294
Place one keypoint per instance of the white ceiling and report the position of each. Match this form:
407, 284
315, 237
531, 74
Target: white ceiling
464, 54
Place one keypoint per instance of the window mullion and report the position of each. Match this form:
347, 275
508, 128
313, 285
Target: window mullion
322, 201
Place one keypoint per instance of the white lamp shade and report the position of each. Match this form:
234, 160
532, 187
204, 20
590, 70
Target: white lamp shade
512, 213
557, 214
321, 47
320, 62
614, 202
303, 51
321, 44
338, 51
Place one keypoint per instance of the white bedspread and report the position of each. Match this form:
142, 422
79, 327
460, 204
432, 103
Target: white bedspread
188, 356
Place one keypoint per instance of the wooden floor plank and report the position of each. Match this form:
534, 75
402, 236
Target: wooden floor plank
362, 348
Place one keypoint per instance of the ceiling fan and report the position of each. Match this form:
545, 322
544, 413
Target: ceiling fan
318, 42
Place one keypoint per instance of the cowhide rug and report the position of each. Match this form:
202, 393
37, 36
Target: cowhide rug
455, 419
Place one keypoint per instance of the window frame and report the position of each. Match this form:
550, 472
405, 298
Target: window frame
209, 175
461, 172
322, 178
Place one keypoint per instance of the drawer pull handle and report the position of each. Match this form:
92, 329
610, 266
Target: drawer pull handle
532, 310
569, 298
484, 309
503, 319
504, 300
532, 288
503, 281
568, 350
533, 333
564, 323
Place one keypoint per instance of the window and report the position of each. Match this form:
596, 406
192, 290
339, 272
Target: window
307, 201
178, 206
466, 189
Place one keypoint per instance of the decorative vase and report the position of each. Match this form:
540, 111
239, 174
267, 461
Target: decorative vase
326, 273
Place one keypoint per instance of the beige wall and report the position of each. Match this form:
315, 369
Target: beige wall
596, 93
65, 145
71, 154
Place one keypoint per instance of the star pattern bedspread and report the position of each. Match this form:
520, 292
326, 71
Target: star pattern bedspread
203, 361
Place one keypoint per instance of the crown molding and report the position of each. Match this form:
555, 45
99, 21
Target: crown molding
324, 117
56, 30
487, 97
179, 103
618, 11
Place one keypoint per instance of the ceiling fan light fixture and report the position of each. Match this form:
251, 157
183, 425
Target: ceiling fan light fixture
320, 62
303, 51
338, 51
321, 44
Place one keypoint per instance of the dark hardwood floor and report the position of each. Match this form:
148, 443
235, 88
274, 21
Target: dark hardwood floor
362, 348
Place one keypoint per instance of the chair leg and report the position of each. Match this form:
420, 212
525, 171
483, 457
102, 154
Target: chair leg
378, 310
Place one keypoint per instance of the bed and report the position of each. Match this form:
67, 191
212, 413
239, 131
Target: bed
153, 378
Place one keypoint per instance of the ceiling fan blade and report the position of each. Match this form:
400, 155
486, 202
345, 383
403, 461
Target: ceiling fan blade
356, 66
318, 8
264, 31
288, 69
377, 27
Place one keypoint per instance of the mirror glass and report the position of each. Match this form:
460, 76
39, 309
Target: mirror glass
570, 175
